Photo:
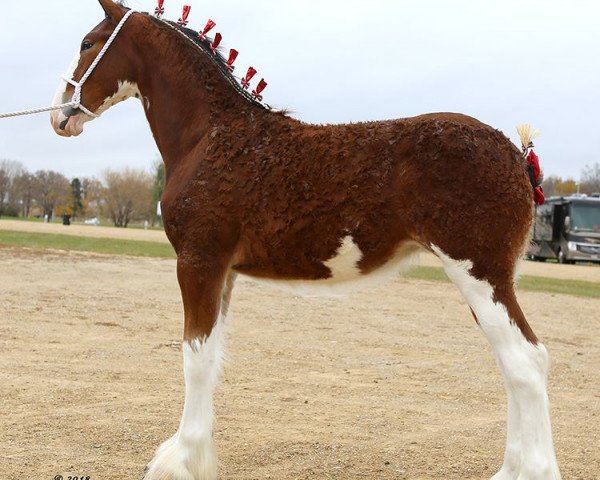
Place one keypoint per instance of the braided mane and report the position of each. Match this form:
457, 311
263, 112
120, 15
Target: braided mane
204, 46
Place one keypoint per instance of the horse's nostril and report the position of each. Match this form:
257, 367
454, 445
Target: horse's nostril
63, 124
70, 111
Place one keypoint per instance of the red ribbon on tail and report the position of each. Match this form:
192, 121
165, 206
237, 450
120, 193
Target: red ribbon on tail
535, 172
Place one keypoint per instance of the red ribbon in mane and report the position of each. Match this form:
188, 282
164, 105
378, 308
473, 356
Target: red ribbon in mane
535, 171
183, 21
209, 26
248, 77
259, 88
233, 54
160, 9
216, 42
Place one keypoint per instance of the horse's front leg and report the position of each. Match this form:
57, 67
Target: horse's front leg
190, 454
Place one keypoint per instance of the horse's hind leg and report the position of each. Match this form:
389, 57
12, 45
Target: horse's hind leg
524, 365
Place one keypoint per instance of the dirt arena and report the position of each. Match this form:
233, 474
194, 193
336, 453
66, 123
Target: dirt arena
389, 383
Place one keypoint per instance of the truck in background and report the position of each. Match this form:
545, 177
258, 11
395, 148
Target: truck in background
567, 229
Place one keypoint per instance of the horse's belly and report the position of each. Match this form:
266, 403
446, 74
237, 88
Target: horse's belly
345, 274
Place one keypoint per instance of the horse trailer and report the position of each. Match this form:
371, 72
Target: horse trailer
567, 229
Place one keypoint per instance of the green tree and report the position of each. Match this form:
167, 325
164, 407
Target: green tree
76, 193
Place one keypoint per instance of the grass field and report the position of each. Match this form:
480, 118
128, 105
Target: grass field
45, 241
526, 282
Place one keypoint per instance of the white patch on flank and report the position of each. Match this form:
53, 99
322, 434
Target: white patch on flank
344, 264
125, 90
529, 448
190, 454
345, 274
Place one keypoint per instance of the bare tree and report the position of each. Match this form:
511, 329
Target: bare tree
93, 196
550, 185
590, 179
4, 187
557, 186
128, 195
23, 190
53, 190
9, 170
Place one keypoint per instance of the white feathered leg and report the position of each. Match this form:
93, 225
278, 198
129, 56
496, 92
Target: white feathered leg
190, 454
525, 368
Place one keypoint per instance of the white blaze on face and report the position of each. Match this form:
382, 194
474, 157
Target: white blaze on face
73, 126
59, 96
57, 117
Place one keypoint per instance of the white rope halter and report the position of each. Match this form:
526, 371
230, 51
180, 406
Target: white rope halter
75, 102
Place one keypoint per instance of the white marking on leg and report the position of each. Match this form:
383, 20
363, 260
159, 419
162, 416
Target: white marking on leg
525, 367
512, 454
190, 454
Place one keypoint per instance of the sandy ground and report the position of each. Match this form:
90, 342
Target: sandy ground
589, 272
391, 383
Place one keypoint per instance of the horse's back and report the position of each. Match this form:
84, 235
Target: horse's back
439, 179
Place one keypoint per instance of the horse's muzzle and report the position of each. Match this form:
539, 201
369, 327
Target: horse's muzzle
68, 122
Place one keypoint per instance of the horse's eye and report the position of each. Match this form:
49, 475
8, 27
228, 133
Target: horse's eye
86, 45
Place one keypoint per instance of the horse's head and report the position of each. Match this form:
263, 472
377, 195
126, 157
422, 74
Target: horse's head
94, 89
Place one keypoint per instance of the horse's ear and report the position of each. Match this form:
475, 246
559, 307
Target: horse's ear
113, 10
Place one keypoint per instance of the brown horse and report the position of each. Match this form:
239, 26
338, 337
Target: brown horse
251, 191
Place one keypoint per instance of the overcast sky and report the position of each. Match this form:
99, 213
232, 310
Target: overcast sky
334, 61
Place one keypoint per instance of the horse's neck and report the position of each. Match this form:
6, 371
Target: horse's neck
182, 93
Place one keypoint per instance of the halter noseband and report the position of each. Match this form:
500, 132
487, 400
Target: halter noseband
76, 100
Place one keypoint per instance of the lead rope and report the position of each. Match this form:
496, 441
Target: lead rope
36, 110
75, 102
